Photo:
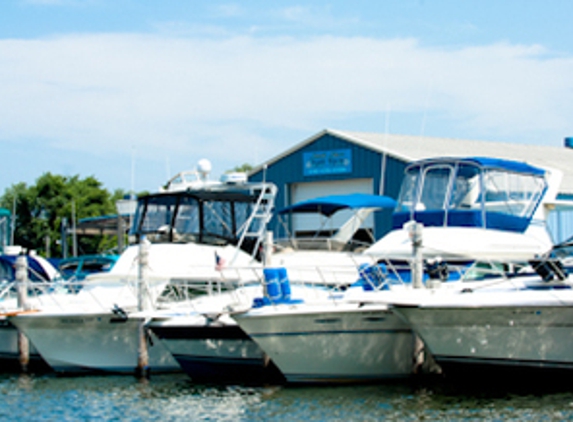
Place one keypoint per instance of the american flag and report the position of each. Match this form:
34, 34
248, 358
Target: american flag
219, 262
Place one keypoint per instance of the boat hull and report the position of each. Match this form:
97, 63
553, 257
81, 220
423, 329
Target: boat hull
334, 346
10, 355
94, 342
221, 354
466, 338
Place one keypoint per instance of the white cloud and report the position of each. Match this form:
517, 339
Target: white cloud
59, 2
184, 96
230, 10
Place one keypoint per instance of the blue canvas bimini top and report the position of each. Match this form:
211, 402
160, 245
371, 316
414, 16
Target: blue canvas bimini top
489, 162
328, 205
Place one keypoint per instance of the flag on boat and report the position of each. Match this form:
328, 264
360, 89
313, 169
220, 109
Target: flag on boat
219, 262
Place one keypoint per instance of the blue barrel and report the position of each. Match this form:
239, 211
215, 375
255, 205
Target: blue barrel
364, 278
284, 283
372, 276
272, 285
568, 142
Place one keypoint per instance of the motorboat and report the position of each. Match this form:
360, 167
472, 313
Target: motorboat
333, 340
518, 318
40, 272
517, 323
473, 208
208, 343
79, 267
329, 256
190, 232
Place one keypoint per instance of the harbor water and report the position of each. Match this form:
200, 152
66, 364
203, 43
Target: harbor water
176, 398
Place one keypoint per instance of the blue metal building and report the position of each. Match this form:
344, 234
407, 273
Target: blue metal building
329, 163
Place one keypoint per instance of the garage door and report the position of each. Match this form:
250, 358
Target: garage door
311, 223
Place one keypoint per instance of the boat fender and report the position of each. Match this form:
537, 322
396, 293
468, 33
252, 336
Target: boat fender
120, 313
284, 283
272, 287
373, 277
148, 336
549, 269
437, 269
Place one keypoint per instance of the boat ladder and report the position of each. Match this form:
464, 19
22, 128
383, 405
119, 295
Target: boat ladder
256, 225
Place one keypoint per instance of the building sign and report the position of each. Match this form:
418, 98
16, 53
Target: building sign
327, 162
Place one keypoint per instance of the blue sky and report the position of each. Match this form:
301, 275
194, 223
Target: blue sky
133, 91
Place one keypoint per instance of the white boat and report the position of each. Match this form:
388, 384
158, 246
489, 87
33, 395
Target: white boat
520, 319
217, 349
520, 323
195, 230
41, 273
332, 341
469, 209
475, 208
89, 331
208, 345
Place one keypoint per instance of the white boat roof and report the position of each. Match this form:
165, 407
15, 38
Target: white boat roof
410, 148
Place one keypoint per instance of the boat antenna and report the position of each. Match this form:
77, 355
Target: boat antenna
132, 170
74, 233
381, 189
426, 104
167, 167
13, 220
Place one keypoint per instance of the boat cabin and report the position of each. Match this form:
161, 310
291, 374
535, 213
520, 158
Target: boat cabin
214, 213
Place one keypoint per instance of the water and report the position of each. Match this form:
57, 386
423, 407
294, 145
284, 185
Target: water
176, 398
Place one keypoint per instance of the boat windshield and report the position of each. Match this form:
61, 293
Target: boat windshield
441, 188
182, 218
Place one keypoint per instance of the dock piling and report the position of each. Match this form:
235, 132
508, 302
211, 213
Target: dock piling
142, 370
22, 292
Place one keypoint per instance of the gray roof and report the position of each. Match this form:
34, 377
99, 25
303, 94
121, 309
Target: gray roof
411, 148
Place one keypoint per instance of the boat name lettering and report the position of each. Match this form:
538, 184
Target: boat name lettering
75, 320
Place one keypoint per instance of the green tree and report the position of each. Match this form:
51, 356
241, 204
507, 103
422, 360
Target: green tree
42, 208
244, 168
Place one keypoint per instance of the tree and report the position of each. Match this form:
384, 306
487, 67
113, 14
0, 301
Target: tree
42, 208
245, 168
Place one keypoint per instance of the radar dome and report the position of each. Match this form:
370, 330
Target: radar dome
204, 167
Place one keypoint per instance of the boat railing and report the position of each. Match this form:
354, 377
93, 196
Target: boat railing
319, 244
105, 291
384, 274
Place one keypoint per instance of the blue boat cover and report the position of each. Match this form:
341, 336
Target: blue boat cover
328, 205
36, 270
488, 162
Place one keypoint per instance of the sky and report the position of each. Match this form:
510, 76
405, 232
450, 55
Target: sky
133, 91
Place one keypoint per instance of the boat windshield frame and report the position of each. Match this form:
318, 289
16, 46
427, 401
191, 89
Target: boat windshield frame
470, 193
214, 215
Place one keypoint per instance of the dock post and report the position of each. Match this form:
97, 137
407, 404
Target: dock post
268, 249
22, 291
142, 370
417, 270
415, 233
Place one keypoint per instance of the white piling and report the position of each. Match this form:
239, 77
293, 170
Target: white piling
415, 233
268, 249
142, 369
417, 269
22, 292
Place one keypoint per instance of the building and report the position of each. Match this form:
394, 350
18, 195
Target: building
336, 162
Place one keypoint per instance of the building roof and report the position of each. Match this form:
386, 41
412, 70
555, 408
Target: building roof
412, 148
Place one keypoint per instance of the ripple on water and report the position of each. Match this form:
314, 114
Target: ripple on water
175, 397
